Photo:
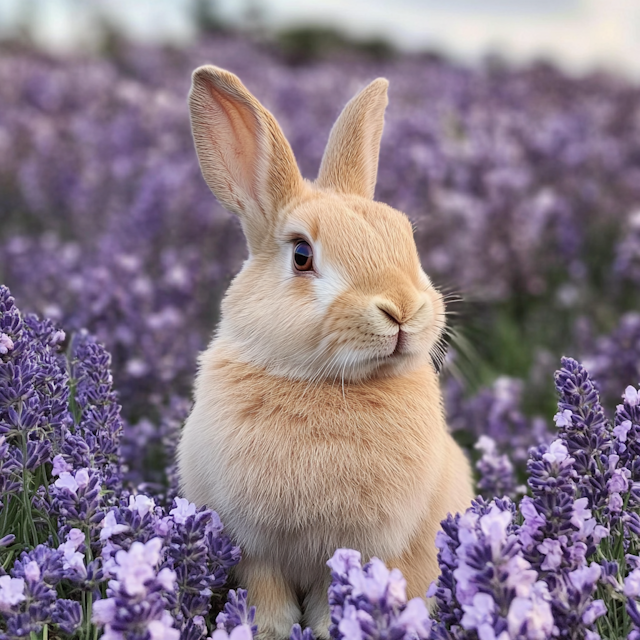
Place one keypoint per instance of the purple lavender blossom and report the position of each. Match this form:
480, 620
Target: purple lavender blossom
237, 613
136, 605
497, 476
370, 601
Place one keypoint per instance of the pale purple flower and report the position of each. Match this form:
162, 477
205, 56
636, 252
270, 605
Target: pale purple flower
600, 532
349, 626
618, 482
167, 579
343, 560
162, 526
182, 510
110, 526
73, 559
200, 622
533, 522
578, 553
521, 576
631, 396
11, 592
615, 503
585, 577
137, 566
6, 344
631, 584
479, 613
67, 481
111, 634
563, 419
557, 452
552, 550
60, 466
241, 632
104, 611
82, 478
621, 430
163, 629
486, 445
580, 513
594, 611
494, 525
379, 583
32, 571
136, 367
369, 601
141, 503
415, 618
532, 617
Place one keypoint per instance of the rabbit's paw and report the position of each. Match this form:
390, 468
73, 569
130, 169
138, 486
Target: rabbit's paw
276, 604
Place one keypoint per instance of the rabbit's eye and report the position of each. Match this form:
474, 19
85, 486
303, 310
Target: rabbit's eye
303, 256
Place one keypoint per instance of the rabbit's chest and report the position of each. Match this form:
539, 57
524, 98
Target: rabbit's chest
292, 468
280, 461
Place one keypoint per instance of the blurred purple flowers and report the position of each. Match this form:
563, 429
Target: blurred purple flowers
524, 186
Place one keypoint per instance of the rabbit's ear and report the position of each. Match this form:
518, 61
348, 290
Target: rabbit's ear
350, 161
244, 156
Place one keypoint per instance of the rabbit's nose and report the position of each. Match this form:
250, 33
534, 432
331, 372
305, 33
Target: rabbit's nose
390, 310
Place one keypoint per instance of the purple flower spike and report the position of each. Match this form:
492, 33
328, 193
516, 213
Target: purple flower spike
370, 602
237, 613
297, 633
497, 475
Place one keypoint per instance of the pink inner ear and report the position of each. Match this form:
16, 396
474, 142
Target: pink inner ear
232, 134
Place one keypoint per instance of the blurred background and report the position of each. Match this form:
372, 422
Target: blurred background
512, 140
579, 35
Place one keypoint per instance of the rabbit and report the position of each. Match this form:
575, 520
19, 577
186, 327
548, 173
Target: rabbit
318, 419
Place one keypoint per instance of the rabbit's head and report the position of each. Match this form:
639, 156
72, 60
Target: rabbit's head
333, 286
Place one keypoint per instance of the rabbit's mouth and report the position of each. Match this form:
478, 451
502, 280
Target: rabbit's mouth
401, 342
400, 347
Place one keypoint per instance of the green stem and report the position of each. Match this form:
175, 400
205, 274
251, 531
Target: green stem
7, 502
26, 493
88, 600
89, 610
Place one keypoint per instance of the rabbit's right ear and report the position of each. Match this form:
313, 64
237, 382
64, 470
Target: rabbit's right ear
350, 161
244, 156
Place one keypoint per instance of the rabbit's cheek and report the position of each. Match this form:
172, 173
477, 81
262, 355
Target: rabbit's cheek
327, 288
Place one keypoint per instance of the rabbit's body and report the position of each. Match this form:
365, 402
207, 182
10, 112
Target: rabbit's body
297, 470
318, 419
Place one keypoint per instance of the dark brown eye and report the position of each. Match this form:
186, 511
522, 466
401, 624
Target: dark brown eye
303, 256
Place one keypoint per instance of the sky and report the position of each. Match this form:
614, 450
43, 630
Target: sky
580, 35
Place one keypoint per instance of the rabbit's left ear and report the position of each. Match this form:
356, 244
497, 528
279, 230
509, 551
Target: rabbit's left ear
244, 156
350, 161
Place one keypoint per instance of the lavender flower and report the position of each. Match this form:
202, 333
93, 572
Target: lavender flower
237, 613
371, 602
136, 598
497, 477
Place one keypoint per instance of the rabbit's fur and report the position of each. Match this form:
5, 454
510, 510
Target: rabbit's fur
317, 424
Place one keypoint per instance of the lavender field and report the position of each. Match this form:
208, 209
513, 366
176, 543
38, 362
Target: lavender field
524, 186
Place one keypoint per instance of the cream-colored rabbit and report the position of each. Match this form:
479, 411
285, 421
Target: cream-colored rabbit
318, 419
